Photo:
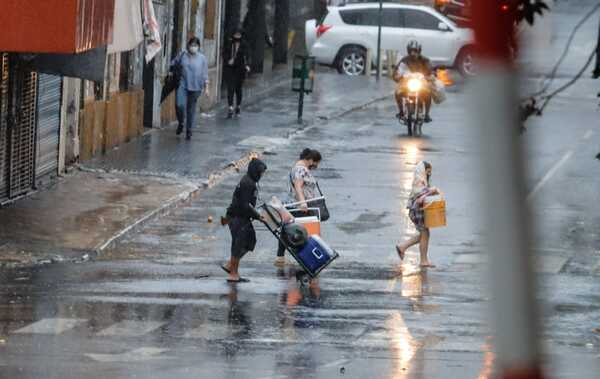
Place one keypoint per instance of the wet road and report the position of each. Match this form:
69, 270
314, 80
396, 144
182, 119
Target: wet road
157, 305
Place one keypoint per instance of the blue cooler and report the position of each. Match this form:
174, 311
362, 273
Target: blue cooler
315, 255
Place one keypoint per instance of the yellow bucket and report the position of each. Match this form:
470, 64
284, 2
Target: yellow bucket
435, 214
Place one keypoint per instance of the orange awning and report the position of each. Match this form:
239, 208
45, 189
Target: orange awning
55, 26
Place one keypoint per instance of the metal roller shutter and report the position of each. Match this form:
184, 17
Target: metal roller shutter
4, 168
22, 134
48, 117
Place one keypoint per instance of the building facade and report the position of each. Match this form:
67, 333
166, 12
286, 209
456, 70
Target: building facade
70, 98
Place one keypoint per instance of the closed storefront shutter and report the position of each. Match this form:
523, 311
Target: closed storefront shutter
22, 134
4, 169
48, 119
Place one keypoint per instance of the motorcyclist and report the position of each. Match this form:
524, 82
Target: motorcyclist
414, 62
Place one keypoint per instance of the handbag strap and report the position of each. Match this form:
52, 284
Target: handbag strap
319, 188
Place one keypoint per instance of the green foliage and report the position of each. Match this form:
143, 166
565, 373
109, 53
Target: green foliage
527, 10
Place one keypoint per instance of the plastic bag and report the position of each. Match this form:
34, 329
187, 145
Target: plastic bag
438, 92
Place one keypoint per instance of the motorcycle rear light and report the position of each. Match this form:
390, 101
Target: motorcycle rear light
321, 29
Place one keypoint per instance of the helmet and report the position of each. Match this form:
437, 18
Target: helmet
295, 235
413, 45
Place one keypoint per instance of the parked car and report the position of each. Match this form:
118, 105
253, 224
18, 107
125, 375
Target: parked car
343, 36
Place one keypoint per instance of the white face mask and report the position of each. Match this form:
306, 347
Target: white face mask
193, 49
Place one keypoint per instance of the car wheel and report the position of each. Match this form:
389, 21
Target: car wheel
352, 61
466, 63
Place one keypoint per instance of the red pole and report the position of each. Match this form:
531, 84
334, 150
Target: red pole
512, 280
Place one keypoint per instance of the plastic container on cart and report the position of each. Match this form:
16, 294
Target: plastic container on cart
315, 255
311, 223
275, 214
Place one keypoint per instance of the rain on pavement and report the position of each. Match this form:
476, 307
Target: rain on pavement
156, 305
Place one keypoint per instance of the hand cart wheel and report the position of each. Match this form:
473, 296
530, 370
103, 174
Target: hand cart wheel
303, 278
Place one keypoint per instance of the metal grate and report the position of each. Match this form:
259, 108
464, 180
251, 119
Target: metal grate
22, 134
4, 127
48, 124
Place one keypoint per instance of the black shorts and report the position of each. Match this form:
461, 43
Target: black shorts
243, 236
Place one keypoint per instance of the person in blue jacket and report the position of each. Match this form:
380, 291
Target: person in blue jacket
192, 67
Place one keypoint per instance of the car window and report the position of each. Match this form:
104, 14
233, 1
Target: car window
322, 19
364, 17
393, 18
416, 19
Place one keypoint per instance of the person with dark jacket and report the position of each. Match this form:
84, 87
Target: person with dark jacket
412, 63
236, 67
240, 214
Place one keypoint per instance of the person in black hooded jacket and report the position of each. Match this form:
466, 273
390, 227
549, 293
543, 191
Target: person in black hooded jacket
240, 214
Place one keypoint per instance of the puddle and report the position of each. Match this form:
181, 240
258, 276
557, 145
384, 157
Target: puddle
364, 223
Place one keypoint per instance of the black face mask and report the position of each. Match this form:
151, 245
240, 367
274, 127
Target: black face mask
237, 39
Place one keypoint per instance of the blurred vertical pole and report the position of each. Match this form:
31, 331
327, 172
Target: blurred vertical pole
505, 215
596, 73
380, 21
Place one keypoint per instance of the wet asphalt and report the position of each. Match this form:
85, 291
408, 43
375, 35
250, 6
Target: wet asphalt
157, 305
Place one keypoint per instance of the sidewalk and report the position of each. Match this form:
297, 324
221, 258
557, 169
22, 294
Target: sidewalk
217, 141
89, 210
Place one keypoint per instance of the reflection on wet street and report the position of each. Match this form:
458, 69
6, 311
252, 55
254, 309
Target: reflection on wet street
156, 305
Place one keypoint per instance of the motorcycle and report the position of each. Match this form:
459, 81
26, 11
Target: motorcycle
412, 86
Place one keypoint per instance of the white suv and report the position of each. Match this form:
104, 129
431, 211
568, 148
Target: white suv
342, 37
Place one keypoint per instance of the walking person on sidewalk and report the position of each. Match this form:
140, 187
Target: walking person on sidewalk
236, 58
240, 214
302, 187
421, 188
192, 67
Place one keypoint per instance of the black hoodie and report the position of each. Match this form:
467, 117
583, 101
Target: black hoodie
246, 192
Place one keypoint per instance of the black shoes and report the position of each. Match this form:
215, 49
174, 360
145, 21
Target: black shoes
231, 112
179, 129
428, 118
188, 135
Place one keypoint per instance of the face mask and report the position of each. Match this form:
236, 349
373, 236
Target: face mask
237, 39
193, 49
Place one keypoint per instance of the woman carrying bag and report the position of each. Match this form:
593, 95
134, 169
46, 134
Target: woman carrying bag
421, 189
303, 187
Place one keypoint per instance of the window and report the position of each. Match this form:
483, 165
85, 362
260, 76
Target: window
393, 18
364, 17
416, 19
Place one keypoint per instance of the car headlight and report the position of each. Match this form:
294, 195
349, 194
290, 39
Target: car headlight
414, 85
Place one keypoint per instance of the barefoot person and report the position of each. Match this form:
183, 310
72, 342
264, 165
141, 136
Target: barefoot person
240, 215
421, 188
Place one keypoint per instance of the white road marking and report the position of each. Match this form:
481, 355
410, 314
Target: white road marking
212, 331
549, 175
130, 328
137, 355
263, 141
550, 264
51, 326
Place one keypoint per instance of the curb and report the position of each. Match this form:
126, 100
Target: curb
217, 177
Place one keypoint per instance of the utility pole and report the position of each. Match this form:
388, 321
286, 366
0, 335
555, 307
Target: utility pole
367, 64
506, 216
